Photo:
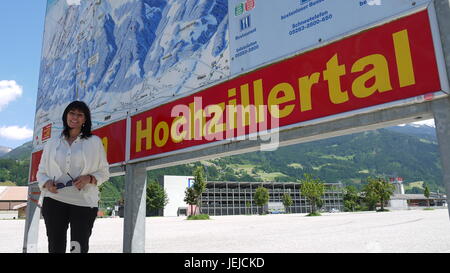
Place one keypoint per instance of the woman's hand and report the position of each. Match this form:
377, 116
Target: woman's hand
81, 181
50, 186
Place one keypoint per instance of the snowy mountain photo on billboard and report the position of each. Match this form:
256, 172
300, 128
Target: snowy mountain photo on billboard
125, 56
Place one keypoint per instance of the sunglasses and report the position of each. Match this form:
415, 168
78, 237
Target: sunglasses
62, 185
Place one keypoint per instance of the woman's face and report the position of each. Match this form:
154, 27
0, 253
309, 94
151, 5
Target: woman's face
75, 119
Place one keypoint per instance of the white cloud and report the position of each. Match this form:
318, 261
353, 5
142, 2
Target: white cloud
16, 133
9, 91
428, 122
73, 2
374, 2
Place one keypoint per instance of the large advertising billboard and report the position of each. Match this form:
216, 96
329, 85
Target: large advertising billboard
124, 56
163, 77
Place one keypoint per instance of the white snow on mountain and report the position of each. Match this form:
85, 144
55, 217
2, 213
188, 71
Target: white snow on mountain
128, 55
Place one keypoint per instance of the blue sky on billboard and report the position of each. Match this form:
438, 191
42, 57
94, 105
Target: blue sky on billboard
21, 31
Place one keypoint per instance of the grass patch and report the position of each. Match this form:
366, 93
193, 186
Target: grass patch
269, 176
198, 217
428, 209
411, 185
338, 157
296, 165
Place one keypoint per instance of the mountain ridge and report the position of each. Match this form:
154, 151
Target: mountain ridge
407, 151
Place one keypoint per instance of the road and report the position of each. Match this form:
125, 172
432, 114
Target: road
411, 231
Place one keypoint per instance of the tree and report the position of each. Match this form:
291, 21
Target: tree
248, 205
190, 197
351, 198
156, 196
313, 189
287, 201
427, 195
261, 197
378, 190
199, 184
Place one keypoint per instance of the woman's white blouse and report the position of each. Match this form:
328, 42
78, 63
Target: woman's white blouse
84, 156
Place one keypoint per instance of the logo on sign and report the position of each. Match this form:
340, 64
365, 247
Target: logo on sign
243, 7
245, 22
46, 132
191, 182
249, 5
239, 9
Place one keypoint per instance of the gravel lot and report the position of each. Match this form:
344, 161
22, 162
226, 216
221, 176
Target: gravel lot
363, 232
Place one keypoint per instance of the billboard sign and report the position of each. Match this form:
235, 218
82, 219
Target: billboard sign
162, 77
264, 31
388, 63
124, 56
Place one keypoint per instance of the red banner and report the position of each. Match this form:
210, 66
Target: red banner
113, 138
35, 160
384, 64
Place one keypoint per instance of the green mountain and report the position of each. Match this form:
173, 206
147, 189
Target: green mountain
409, 152
4, 150
349, 159
22, 152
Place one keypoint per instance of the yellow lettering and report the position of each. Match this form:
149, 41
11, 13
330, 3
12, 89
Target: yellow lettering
215, 124
304, 85
165, 136
144, 134
105, 144
332, 74
174, 131
403, 57
274, 100
197, 118
380, 72
259, 100
245, 101
231, 110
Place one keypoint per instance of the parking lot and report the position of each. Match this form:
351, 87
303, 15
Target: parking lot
361, 232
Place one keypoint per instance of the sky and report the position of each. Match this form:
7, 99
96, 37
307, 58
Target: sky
21, 32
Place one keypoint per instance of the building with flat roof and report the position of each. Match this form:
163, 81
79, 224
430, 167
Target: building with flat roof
237, 198
13, 200
400, 200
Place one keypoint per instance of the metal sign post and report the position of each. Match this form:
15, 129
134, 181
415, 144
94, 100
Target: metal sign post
135, 209
441, 109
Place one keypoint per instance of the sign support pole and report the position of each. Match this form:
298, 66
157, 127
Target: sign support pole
30, 240
441, 108
441, 113
135, 208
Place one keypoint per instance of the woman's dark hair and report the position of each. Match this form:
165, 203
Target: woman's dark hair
86, 128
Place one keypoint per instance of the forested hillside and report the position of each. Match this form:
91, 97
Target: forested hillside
406, 152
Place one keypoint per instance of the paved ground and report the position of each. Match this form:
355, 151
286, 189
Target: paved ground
395, 231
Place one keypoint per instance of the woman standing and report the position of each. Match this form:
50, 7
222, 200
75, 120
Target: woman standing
72, 167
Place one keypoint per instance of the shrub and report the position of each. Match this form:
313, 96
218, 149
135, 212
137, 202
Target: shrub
314, 214
198, 217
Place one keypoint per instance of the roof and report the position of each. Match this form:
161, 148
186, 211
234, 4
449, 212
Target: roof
412, 197
20, 206
14, 193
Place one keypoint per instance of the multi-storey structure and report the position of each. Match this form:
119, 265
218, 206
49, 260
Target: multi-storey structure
236, 198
